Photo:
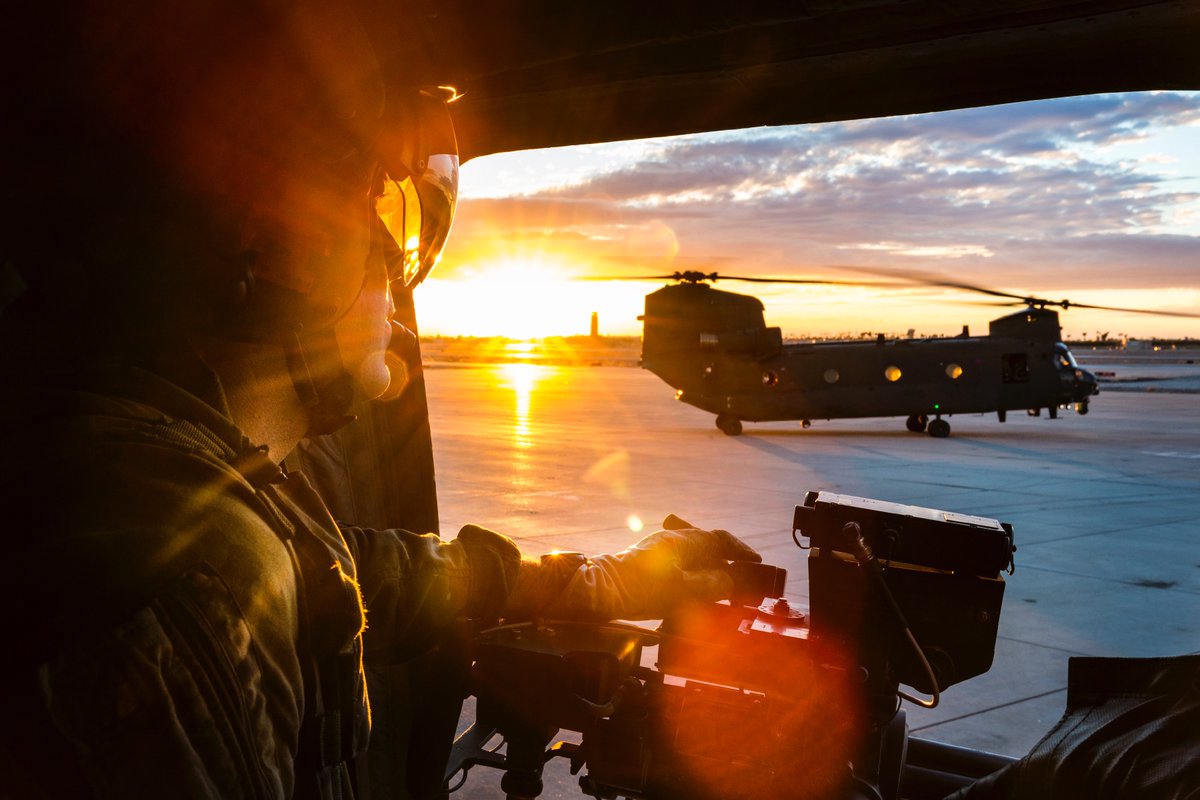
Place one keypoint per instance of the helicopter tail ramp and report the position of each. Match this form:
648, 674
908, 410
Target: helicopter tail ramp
685, 324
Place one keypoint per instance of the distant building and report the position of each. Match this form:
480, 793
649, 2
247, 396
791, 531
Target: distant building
595, 325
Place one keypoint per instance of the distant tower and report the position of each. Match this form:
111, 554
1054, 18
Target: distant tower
595, 325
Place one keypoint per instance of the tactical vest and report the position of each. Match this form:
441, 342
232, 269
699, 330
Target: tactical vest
336, 717
335, 720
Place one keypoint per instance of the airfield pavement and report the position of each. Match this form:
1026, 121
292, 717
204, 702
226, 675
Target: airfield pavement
1105, 509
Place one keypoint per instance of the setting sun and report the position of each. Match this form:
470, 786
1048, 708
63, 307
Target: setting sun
525, 299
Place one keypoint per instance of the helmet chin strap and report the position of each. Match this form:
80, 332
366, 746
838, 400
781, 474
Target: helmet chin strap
314, 361
327, 397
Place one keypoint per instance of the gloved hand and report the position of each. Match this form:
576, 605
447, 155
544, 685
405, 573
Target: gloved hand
673, 565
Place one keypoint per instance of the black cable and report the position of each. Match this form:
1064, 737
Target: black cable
866, 559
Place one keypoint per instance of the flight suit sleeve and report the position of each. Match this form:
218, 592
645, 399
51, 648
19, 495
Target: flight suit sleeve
415, 585
646, 581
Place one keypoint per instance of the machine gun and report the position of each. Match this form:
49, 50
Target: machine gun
755, 699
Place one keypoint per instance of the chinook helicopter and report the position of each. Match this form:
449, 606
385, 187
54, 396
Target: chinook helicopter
715, 348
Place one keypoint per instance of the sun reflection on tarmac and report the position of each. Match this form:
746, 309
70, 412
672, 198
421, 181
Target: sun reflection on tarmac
522, 380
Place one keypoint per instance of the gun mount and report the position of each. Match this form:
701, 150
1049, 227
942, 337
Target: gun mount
755, 698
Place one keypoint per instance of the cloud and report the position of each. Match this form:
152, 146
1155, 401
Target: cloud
1111, 261
1021, 194
923, 251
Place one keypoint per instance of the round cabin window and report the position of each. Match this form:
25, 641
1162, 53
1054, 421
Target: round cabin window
954, 371
832, 375
769, 378
892, 373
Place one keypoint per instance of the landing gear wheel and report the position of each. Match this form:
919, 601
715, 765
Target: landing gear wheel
729, 424
939, 429
1081, 407
916, 423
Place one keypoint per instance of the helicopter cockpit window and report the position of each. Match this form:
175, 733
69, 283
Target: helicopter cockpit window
892, 373
1065, 357
954, 371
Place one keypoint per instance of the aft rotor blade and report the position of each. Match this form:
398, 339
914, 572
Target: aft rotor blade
1187, 314
1029, 300
1065, 304
628, 277
926, 279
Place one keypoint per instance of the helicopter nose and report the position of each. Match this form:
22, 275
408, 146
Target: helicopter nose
1086, 383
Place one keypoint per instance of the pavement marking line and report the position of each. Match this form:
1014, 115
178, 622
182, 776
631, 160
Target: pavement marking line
1170, 454
990, 708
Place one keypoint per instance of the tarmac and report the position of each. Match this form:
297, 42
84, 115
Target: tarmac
1105, 508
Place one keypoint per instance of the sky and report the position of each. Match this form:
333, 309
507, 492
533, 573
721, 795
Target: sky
1095, 199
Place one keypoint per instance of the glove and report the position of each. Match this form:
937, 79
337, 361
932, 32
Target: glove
674, 565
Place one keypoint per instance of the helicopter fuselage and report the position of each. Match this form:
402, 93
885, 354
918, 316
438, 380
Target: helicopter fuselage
715, 350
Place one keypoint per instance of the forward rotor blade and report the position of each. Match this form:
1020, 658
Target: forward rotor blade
812, 281
696, 277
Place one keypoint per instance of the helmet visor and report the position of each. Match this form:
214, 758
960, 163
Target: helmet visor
417, 212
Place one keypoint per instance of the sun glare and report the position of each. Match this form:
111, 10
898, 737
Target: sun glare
526, 299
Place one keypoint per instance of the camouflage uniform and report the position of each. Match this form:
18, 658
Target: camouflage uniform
183, 617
